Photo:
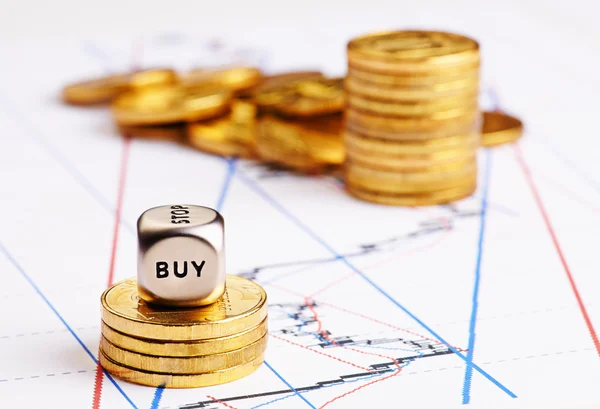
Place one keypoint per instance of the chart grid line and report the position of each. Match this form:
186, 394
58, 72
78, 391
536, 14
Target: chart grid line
466, 392
27, 278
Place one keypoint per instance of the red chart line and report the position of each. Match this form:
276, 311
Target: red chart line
561, 255
99, 379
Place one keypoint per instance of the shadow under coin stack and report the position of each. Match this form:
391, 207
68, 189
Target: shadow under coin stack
169, 341
412, 117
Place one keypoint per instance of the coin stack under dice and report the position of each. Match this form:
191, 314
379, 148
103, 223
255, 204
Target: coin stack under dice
183, 323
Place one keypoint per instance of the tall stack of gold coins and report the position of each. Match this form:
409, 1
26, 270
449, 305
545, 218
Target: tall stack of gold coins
184, 347
412, 119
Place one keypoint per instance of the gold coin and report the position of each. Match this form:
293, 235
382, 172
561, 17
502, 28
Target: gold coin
269, 92
500, 128
185, 365
163, 105
179, 381
411, 162
308, 97
277, 80
414, 135
170, 132
231, 136
450, 119
434, 178
304, 145
458, 89
413, 51
423, 199
235, 79
242, 306
222, 137
105, 89
157, 77
186, 348
375, 146
410, 80
421, 108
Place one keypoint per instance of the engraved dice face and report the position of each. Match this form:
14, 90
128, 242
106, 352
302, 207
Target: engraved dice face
181, 255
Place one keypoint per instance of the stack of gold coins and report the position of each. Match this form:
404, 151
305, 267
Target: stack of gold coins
184, 347
412, 119
300, 121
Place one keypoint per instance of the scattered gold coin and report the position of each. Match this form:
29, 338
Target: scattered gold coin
500, 128
302, 145
236, 79
170, 104
105, 89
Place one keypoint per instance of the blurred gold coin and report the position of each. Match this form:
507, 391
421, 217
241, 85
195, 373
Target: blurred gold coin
179, 381
243, 306
421, 108
500, 128
375, 146
184, 348
105, 89
235, 79
269, 92
307, 145
277, 80
412, 162
415, 79
156, 77
413, 51
222, 137
458, 89
442, 120
394, 181
408, 182
430, 198
415, 135
163, 105
185, 365
170, 132
308, 97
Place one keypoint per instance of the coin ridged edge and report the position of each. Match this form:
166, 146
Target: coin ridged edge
184, 331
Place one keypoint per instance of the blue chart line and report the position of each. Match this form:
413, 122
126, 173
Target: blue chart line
157, 396
60, 317
62, 160
466, 392
231, 166
263, 194
282, 379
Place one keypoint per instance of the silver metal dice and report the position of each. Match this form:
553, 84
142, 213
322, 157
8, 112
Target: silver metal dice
181, 255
